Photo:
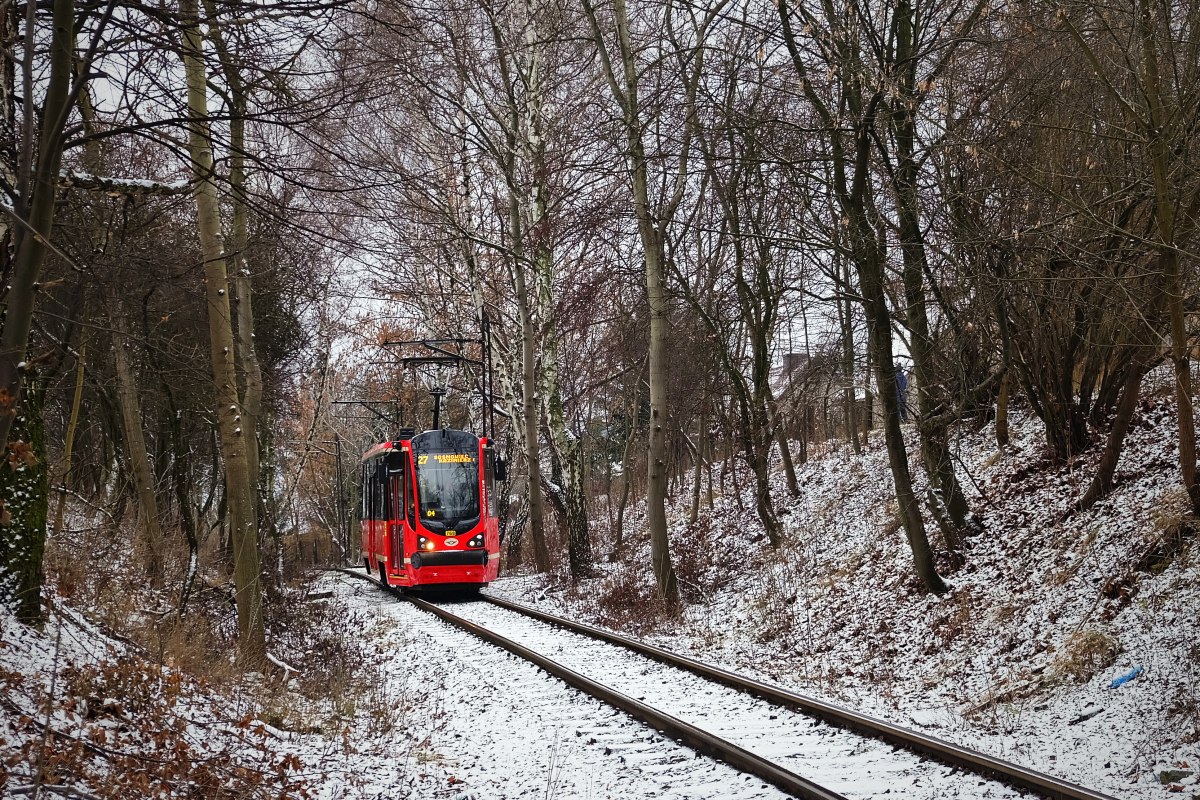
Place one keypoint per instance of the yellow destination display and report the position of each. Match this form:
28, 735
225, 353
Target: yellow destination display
453, 458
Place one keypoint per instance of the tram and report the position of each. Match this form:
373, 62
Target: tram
429, 500
429, 510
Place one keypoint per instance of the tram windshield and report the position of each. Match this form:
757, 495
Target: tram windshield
447, 479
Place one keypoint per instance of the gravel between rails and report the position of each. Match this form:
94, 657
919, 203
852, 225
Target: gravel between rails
844, 762
503, 728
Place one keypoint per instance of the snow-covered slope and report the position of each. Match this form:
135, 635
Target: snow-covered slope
98, 718
1048, 609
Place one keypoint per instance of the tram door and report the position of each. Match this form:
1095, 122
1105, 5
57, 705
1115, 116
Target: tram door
395, 526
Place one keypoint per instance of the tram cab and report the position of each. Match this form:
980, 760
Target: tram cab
429, 510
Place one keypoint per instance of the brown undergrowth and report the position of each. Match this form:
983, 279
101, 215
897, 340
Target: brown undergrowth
629, 601
126, 728
174, 714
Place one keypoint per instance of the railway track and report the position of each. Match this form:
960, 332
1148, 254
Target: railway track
805, 747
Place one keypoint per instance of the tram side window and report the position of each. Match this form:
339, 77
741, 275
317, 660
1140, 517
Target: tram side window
400, 496
395, 493
378, 493
374, 494
365, 492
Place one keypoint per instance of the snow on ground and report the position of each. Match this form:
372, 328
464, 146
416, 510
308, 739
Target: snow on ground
94, 715
1049, 608
445, 716
841, 761
90, 713
502, 728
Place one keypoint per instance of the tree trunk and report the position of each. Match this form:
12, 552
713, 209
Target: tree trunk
567, 447
756, 444
931, 424
851, 155
779, 430
656, 490
234, 444
935, 452
22, 524
1102, 482
530, 407
845, 309
1002, 410
69, 439
568, 452
626, 477
869, 262
35, 204
181, 482
624, 88
248, 368
909, 507
135, 445
24, 490
1165, 201
698, 473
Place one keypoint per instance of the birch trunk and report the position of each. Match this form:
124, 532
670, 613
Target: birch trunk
529, 421
567, 447
569, 453
249, 370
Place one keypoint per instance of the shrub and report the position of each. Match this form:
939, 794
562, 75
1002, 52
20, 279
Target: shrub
1084, 654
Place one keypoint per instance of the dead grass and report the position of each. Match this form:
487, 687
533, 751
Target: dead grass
1006, 612
1084, 654
772, 599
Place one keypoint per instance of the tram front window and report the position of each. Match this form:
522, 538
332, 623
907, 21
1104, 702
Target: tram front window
449, 488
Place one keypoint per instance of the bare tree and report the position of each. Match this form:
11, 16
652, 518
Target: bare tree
848, 109
231, 414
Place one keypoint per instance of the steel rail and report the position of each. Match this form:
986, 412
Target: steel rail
938, 749
700, 740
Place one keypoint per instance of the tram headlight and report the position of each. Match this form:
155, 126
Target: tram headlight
424, 544
476, 541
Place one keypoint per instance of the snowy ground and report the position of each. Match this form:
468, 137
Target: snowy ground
835, 759
1049, 609
505, 728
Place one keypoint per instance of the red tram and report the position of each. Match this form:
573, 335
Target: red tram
429, 510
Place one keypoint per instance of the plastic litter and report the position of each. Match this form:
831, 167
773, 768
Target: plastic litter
1127, 677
